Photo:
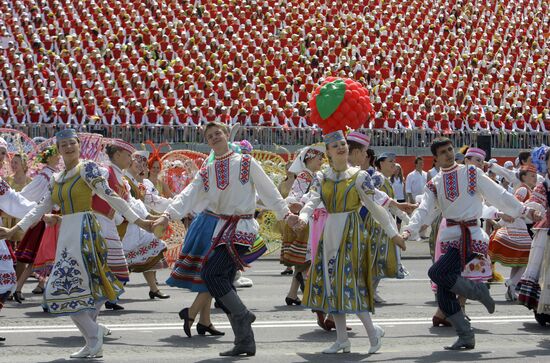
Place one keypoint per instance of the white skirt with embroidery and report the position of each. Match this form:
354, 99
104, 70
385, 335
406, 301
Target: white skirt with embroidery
7, 273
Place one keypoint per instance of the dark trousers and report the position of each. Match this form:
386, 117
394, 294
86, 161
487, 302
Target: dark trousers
445, 273
219, 271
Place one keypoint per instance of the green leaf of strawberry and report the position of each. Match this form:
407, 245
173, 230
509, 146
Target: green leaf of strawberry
330, 97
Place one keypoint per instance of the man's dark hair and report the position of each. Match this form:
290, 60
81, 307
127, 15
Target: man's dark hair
417, 160
354, 145
110, 150
523, 156
218, 125
438, 143
371, 155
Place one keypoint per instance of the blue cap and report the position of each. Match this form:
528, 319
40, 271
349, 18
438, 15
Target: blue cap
459, 157
386, 155
66, 134
333, 137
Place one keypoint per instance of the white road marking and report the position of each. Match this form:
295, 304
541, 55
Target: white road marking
258, 324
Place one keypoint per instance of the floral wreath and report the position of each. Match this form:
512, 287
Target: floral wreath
46, 154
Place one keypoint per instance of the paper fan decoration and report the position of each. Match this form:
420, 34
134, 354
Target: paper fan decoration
18, 143
174, 170
338, 104
538, 155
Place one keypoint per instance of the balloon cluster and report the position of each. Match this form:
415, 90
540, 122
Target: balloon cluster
340, 103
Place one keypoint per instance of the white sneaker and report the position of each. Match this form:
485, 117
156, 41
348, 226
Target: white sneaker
378, 339
106, 331
378, 299
345, 347
243, 282
82, 353
97, 350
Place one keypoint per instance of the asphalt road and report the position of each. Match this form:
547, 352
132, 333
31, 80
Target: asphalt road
150, 331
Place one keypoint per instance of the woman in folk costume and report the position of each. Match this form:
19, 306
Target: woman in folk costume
120, 158
15, 205
511, 243
295, 244
340, 280
28, 248
155, 168
284, 188
228, 185
386, 257
144, 252
81, 280
534, 287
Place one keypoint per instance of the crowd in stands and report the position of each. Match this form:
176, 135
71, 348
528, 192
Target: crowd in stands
478, 66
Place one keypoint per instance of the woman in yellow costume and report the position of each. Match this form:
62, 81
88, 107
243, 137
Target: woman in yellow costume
80, 281
340, 280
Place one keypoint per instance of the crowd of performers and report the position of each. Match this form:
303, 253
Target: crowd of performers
86, 227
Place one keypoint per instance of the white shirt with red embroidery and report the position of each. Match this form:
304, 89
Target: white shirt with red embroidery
230, 184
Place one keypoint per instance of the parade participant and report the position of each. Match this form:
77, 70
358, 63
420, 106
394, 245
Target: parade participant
457, 192
143, 251
511, 243
120, 158
532, 289
155, 168
17, 206
340, 281
81, 280
229, 185
295, 245
28, 247
284, 188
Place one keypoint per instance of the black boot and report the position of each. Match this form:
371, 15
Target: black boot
474, 291
466, 338
2, 339
241, 320
113, 306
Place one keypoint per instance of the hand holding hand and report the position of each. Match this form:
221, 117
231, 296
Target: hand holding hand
295, 207
506, 218
407, 207
534, 215
51, 219
400, 241
8, 233
145, 224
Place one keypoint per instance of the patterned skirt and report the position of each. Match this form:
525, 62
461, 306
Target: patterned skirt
7, 272
115, 252
198, 240
80, 276
143, 251
28, 247
294, 247
510, 245
528, 288
340, 280
386, 261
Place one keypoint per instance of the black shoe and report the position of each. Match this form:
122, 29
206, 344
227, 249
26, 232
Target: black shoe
291, 302
2, 339
288, 271
187, 322
202, 329
18, 296
300, 279
249, 350
39, 290
158, 294
111, 306
217, 305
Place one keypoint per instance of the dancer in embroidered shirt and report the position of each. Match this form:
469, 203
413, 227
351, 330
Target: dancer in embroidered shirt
229, 184
80, 280
295, 245
458, 192
15, 205
340, 281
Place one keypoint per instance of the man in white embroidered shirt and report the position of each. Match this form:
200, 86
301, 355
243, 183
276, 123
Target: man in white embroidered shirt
458, 192
229, 183
416, 180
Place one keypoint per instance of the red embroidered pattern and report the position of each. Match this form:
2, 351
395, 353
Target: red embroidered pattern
204, 175
8, 278
450, 182
5, 258
244, 238
478, 246
432, 187
4, 187
222, 173
472, 180
244, 174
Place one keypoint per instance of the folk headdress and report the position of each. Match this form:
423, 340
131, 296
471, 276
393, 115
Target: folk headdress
337, 105
155, 152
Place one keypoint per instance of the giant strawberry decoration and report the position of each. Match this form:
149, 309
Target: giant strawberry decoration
340, 103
